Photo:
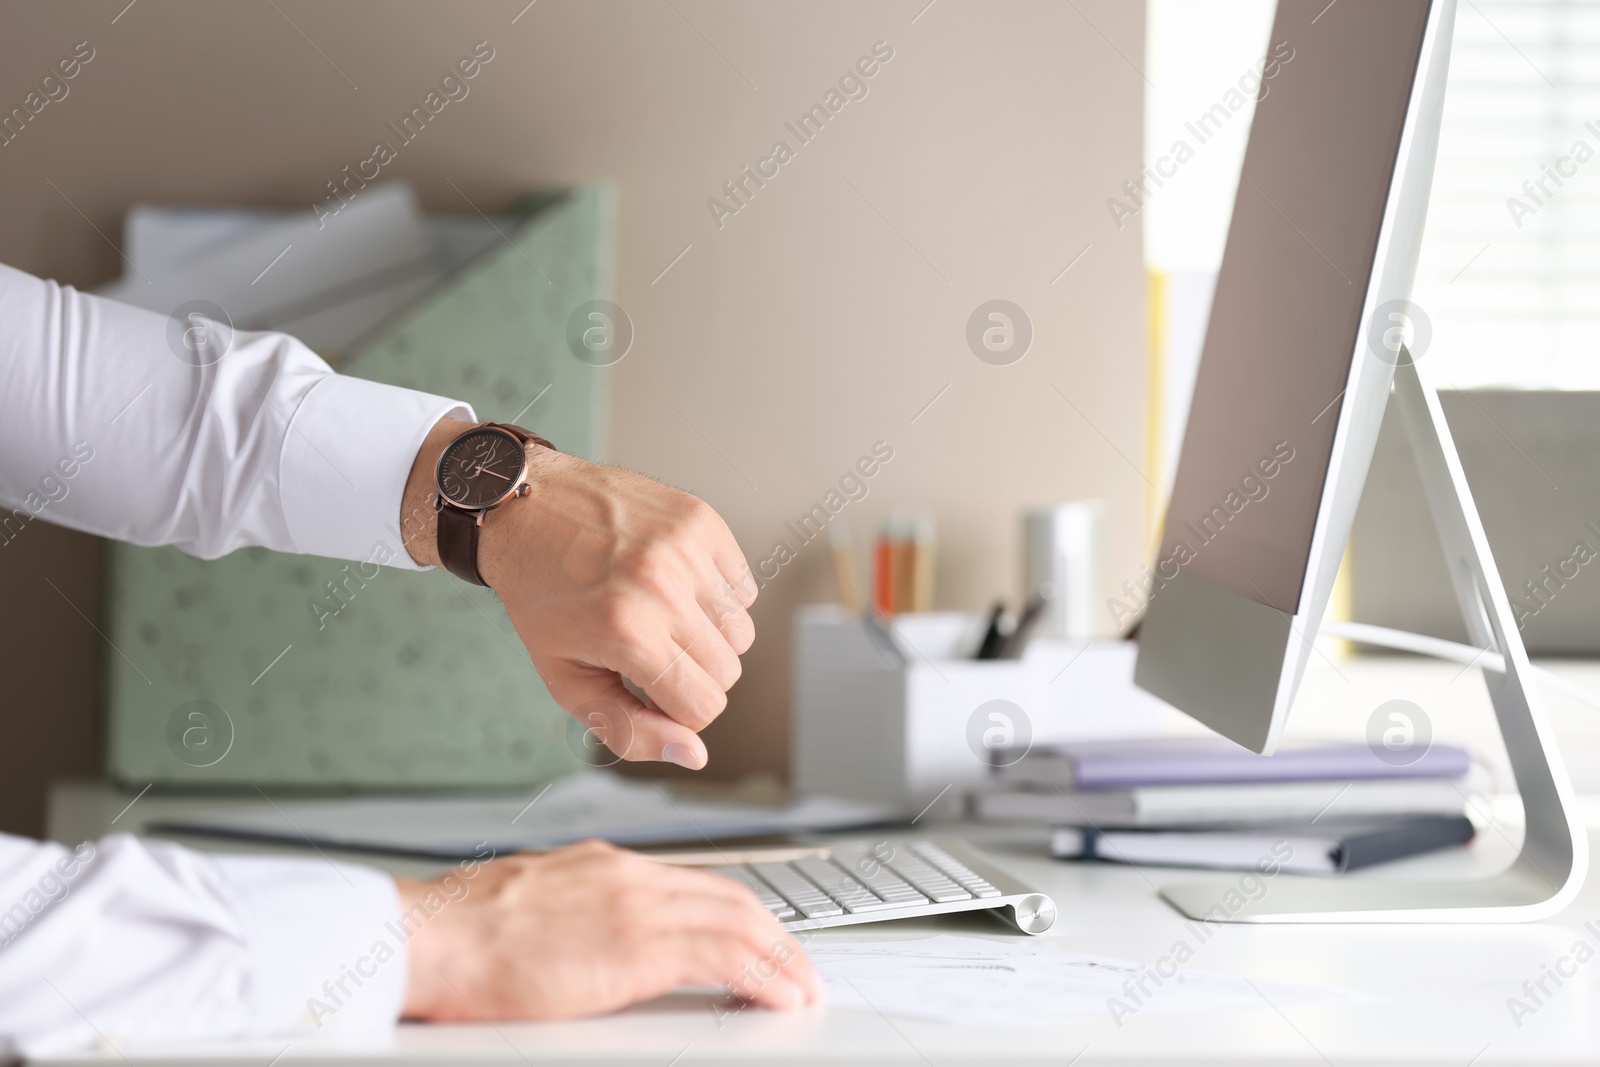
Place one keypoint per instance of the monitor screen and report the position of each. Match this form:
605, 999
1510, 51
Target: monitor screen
1287, 310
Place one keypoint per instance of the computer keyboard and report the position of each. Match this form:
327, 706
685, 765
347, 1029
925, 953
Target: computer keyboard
871, 882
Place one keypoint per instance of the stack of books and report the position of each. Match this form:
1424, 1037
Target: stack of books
1210, 803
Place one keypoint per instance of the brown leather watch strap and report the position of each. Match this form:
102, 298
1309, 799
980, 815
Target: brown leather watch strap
458, 528
525, 436
458, 542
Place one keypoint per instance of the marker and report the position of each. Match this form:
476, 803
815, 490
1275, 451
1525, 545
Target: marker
993, 639
1017, 643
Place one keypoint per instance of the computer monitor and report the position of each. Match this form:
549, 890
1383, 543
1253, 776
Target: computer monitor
1307, 337
1298, 357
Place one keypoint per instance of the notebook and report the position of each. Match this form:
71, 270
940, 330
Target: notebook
1311, 848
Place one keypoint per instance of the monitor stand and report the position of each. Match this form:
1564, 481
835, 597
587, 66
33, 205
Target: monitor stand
1550, 867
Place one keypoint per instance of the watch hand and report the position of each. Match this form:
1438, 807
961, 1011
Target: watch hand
486, 470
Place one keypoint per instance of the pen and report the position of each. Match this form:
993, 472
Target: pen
989, 647
1018, 641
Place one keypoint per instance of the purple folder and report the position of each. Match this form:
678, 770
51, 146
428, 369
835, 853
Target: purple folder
1130, 764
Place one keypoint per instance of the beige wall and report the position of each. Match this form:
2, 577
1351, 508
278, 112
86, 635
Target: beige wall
821, 318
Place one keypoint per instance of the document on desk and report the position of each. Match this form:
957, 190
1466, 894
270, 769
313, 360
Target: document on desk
963, 979
587, 804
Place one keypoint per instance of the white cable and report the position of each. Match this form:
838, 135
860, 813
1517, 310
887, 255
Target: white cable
1438, 648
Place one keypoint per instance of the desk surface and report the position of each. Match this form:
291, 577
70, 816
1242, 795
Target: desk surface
1445, 988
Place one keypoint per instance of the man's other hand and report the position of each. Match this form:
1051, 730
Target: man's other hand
590, 929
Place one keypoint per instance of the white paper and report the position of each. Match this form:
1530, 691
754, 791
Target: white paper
158, 239
325, 284
590, 804
961, 979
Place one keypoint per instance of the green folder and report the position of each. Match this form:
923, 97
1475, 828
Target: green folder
229, 675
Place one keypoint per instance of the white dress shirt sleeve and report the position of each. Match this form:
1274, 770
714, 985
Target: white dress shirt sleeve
108, 425
125, 943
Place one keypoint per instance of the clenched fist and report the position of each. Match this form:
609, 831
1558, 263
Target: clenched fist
609, 576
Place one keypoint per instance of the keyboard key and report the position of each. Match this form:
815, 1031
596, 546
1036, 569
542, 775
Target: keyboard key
965, 876
927, 879
807, 899
770, 900
887, 884
838, 884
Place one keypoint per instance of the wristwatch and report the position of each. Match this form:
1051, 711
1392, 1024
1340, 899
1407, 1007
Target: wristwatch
478, 471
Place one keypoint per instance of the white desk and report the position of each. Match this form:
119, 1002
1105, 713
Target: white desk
1446, 987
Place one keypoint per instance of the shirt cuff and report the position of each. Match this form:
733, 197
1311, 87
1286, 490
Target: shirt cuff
325, 949
345, 462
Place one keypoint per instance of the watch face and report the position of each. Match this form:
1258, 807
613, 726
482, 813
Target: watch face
480, 467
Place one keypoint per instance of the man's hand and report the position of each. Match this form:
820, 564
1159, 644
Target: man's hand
608, 575
587, 930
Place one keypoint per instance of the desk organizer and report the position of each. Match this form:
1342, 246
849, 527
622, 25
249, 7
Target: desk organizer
902, 716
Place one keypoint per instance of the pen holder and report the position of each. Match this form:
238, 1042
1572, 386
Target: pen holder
899, 715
